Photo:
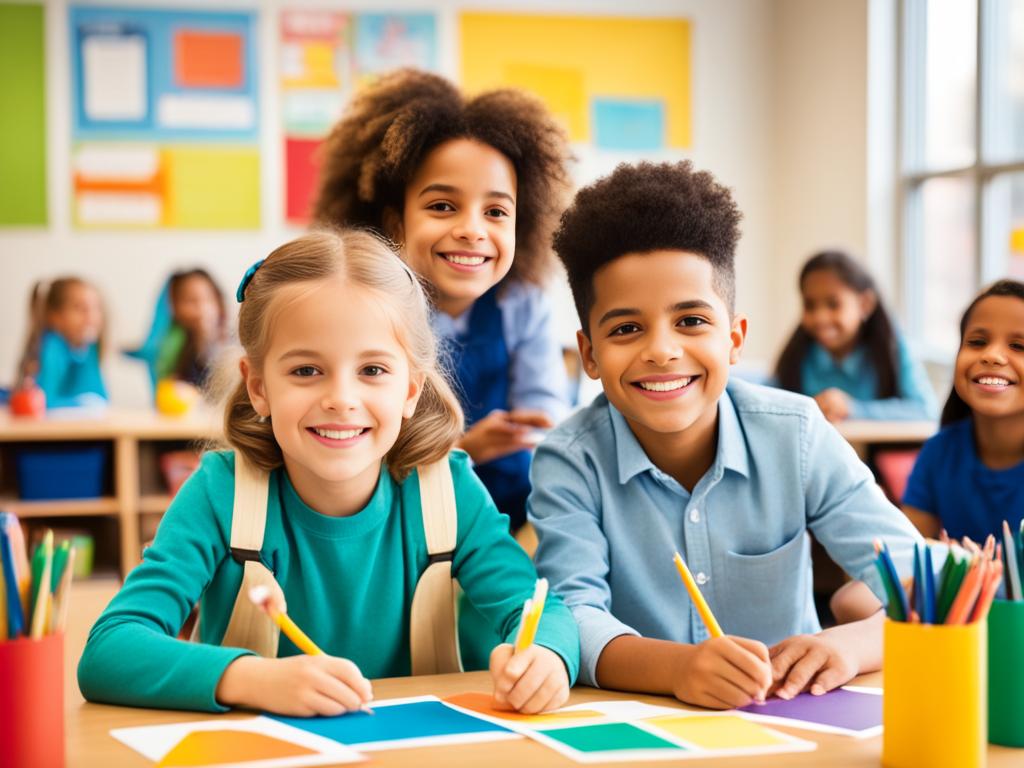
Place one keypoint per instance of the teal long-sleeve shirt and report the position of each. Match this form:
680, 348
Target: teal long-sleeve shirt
69, 375
348, 581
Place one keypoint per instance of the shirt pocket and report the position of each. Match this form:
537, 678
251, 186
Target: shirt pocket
768, 594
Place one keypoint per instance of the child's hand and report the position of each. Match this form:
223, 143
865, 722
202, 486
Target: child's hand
724, 672
531, 681
300, 686
496, 435
809, 660
834, 404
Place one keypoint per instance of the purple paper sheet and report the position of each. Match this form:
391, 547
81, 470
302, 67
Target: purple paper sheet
840, 708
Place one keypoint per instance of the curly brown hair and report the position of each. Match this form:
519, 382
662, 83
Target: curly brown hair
648, 207
374, 151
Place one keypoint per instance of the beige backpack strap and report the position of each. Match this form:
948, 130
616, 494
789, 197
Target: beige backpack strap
433, 622
249, 627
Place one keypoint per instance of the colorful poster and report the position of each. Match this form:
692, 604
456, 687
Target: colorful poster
326, 56
165, 118
636, 100
23, 117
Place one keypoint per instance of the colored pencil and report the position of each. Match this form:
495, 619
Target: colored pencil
714, 628
928, 617
960, 611
533, 607
261, 597
41, 589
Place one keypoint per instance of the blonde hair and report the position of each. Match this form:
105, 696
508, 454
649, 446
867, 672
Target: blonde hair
45, 299
366, 261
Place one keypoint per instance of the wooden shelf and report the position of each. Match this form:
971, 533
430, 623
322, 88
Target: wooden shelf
105, 505
157, 502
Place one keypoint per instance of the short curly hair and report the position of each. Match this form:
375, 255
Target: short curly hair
648, 207
375, 149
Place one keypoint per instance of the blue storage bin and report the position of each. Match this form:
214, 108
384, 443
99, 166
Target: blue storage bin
77, 471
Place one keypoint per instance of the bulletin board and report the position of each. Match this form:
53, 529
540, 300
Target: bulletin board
23, 116
165, 118
617, 83
325, 57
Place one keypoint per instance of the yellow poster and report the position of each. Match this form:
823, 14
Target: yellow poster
616, 82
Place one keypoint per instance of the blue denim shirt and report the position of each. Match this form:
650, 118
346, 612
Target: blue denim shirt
608, 521
856, 376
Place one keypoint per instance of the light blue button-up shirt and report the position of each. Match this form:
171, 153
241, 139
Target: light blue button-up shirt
609, 521
856, 376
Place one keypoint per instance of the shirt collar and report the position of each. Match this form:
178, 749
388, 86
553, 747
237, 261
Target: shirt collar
730, 454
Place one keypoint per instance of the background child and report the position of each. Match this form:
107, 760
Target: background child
339, 401
198, 328
846, 353
64, 344
674, 456
470, 189
970, 476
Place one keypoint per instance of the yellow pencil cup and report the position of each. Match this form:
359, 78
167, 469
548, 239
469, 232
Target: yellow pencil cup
934, 703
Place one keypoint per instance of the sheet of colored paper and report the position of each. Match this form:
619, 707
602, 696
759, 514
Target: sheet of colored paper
562, 89
205, 59
114, 77
628, 125
651, 61
23, 116
213, 187
211, 743
386, 41
610, 742
395, 723
301, 177
851, 711
729, 734
483, 704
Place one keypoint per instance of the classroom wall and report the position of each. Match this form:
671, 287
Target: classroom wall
778, 115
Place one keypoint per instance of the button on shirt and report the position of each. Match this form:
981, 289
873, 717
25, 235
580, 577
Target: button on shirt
608, 521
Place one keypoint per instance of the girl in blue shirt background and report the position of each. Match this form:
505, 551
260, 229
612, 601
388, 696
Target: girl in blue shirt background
470, 189
970, 476
62, 351
846, 352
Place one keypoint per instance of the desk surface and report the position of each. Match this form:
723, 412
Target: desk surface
144, 424
871, 431
89, 743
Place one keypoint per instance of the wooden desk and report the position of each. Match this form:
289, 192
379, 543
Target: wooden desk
863, 433
135, 489
90, 744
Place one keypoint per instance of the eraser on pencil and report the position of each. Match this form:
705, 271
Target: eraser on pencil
260, 595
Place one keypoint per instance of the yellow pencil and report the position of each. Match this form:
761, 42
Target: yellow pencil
698, 599
261, 596
532, 609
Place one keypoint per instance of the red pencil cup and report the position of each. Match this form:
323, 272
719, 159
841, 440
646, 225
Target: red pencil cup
32, 700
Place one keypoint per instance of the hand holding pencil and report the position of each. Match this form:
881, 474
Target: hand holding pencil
724, 671
309, 684
529, 677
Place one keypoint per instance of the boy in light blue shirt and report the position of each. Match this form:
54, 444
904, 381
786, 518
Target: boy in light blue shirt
673, 456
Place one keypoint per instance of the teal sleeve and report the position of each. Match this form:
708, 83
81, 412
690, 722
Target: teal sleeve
133, 656
498, 576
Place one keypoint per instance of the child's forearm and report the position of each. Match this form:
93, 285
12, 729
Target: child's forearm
631, 663
860, 641
854, 601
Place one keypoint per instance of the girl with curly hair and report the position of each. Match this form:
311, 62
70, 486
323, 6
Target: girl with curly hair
470, 189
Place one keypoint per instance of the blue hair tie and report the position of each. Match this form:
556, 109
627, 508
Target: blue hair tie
246, 279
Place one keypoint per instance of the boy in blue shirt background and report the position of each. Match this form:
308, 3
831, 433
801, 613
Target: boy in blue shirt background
674, 456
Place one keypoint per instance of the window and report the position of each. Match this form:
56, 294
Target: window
961, 158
